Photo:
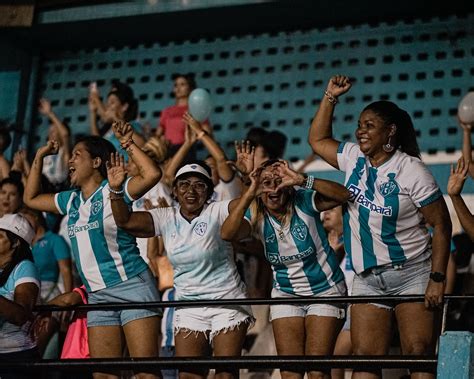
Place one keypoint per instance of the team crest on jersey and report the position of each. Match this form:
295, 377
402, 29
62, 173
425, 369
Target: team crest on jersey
200, 228
96, 207
389, 187
300, 232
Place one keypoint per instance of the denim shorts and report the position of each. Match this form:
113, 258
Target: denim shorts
212, 319
140, 288
337, 310
409, 279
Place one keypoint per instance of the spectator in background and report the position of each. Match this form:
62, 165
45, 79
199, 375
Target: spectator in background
121, 105
11, 196
171, 124
52, 258
385, 233
5, 142
55, 167
19, 287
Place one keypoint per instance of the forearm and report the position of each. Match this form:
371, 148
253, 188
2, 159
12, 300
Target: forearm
464, 215
176, 161
33, 187
441, 246
13, 312
120, 211
93, 124
232, 225
466, 145
66, 274
148, 172
331, 190
223, 169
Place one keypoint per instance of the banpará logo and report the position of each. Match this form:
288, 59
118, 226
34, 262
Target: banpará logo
275, 258
73, 229
359, 198
200, 229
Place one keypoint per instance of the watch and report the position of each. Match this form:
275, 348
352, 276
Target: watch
437, 277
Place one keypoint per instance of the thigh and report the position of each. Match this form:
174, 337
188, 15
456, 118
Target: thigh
105, 341
142, 336
230, 342
416, 325
289, 335
321, 334
370, 329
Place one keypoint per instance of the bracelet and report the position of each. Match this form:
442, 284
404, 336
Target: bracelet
201, 134
309, 182
120, 192
331, 98
126, 144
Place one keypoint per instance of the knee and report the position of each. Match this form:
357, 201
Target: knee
416, 347
366, 348
318, 375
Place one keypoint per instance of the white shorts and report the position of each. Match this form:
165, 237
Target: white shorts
337, 310
212, 320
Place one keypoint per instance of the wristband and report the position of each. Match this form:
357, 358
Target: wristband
126, 144
309, 182
331, 98
120, 192
437, 277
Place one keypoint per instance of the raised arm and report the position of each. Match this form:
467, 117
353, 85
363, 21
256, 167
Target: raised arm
235, 227
455, 185
139, 224
320, 135
467, 146
32, 196
223, 168
328, 193
179, 156
148, 173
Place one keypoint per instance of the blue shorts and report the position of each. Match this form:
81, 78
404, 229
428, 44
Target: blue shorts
337, 310
140, 288
409, 279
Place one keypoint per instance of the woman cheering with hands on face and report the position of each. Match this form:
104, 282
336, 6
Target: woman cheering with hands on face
394, 195
106, 256
288, 222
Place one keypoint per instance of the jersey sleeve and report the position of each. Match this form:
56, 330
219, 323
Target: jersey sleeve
305, 200
222, 210
26, 272
347, 154
61, 199
60, 248
159, 216
421, 184
127, 198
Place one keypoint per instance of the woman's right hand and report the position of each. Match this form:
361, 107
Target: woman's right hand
338, 85
116, 173
51, 148
245, 156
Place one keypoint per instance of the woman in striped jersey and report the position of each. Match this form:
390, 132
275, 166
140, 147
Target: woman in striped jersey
288, 222
107, 257
393, 196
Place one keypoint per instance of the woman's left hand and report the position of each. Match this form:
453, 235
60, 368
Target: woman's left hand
288, 176
434, 294
116, 173
192, 122
123, 131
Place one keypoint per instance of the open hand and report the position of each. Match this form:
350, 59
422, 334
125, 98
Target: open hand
288, 177
458, 177
116, 173
245, 156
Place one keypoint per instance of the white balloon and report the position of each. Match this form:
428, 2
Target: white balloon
466, 109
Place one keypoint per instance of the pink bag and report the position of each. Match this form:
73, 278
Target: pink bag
76, 343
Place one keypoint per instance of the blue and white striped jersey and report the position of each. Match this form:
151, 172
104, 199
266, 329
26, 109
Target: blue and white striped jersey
105, 255
382, 221
302, 260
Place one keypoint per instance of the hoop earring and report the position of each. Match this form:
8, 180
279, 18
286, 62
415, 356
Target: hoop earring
388, 147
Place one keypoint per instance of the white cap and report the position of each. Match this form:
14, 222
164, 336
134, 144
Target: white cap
192, 168
18, 225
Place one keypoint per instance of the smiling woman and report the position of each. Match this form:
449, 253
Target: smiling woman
393, 197
203, 264
110, 271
